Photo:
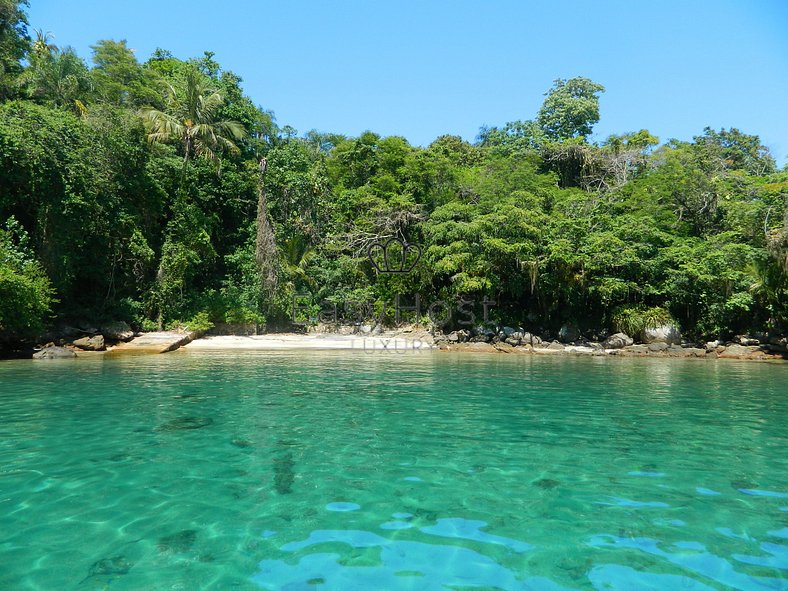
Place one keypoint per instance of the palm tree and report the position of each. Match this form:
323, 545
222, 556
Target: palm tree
57, 77
190, 118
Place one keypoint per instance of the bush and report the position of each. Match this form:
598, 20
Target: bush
26, 295
634, 320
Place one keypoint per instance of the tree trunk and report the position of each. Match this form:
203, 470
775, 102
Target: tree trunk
265, 251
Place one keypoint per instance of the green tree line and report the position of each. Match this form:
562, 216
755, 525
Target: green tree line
156, 192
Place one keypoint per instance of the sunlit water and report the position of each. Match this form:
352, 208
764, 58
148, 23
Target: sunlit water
349, 471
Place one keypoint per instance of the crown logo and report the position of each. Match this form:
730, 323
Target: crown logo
394, 256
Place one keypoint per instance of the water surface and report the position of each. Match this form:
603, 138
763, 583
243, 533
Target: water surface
344, 471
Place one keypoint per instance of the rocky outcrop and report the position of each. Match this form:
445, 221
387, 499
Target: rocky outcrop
662, 334
91, 343
53, 352
117, 332
618, 341
568, 334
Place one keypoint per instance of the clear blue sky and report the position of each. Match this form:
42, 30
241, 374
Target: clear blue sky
423, 68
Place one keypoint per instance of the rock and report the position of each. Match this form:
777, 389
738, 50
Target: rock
91, 343
555, 346
636, 349
453, 337
504, 347
117, 332
657, 347
517, 335
712, 345
181, 541
663, 334
507, 331
618, 341
186, 424
117, 565
483, 331
546, 483
738, 352
695, 352
480, 339
568, 334
52, 352
512, 341
463, 335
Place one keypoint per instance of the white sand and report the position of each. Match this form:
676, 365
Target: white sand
278, 342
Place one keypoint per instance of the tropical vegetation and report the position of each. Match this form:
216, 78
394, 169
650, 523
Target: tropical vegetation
158, 193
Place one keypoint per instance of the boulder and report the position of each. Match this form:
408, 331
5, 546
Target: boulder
618, 341
117, 332
738, 352
657, 347
514, 342
483, 331
463, 335
568, 334
555, 346
91, 343
52, 352
663, 334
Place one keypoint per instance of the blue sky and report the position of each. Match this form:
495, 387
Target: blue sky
425, 68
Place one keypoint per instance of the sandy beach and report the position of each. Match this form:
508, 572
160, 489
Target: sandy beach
273, 342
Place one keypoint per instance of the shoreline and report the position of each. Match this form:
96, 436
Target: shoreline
398, 342
401, 342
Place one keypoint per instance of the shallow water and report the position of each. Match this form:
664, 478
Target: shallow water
345, 471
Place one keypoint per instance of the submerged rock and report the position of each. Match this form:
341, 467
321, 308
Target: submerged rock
117, 565
284, 474
546, 483
181, 541
185, 424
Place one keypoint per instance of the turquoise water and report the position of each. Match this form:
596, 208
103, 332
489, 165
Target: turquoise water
350, 471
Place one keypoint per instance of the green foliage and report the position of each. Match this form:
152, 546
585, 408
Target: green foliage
14, 43
127, 217
635, 319
26, 295
570, 109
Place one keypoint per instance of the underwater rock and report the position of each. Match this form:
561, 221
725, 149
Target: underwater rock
178, 542
117, 565
186, 423
283, 474
241, 443
546, 483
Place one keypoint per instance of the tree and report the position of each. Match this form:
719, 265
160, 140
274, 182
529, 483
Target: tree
25, 292
14, 42
571, 108
735, 150
57, 77
190, 119
119, 78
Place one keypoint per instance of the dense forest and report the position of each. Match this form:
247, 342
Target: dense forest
157, 193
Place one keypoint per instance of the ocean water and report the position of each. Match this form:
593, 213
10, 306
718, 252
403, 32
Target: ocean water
301, 471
